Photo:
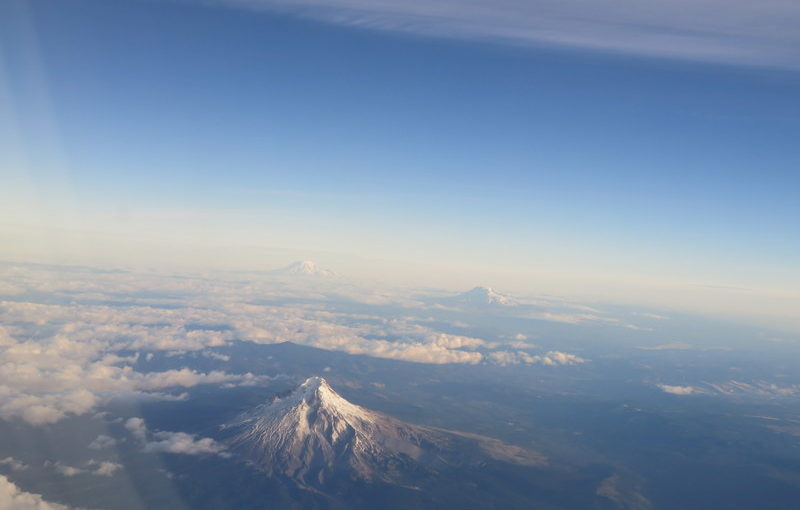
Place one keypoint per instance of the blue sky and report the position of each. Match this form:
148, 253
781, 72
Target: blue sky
370, 138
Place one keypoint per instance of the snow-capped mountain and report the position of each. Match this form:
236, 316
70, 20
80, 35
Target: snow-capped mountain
314, 435
485, 296
306, 268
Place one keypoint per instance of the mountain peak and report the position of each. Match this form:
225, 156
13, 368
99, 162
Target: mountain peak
315, 392
314, 383
485, 296
313, 435
306, 268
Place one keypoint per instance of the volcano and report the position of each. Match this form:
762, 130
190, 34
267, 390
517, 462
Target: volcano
313, 436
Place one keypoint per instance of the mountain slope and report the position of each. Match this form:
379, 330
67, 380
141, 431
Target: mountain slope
313, 435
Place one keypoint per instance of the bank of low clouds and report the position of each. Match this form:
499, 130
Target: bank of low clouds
89, 339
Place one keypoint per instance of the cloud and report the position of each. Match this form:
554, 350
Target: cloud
729, 31
505, 358
677, 390
92, 467
173, 442
454, 341
420, 352
106, 468
573, 318
65, 470
654, 316
13, 498
41, 409
557, 358
52, 365
183, 443
733, 388
137, 427
58, 360
102, 442
14, 464
187, 378
550, 358
371, 336
215, 355
756, 388
676, 346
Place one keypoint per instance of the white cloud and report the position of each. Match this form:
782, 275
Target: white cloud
14, 464
557, 358
372, 336
505, 358
13, 498
573, 318
455, 341
733, 31
65, 470
420, 352
106, 468
93, 467
173, 442
181, 442
137, 427
187, 378
550, 358
102, 442
52, 365
677, 390
215, 355
58, 360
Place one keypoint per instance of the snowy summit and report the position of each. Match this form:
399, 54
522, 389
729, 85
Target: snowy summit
485, 296
306, 268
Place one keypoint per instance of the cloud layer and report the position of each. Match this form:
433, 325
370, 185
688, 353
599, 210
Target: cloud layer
83, 345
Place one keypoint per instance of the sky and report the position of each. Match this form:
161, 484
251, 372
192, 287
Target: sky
635, 154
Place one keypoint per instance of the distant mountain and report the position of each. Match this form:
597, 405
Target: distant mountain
313, 435
484, 296
305, 268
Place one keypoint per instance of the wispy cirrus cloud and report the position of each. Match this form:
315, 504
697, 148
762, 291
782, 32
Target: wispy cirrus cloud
730, 31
